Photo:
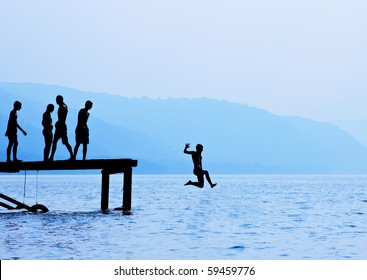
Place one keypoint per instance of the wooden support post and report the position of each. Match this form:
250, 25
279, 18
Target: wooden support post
126, 205
6, 206
105, 190
16, 202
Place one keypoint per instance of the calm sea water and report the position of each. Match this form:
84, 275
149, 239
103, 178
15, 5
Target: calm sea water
244, 217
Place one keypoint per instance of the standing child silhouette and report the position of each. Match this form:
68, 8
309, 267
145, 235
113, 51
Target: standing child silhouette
11, 132
61, 128
82, 130
47, 130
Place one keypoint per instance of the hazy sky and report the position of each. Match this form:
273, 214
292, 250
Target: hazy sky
299, 57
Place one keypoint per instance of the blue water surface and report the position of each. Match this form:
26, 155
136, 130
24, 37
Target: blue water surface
245, 217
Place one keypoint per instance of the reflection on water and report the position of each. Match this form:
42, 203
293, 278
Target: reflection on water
244, 217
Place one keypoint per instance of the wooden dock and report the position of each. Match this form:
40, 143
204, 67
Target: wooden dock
107, 167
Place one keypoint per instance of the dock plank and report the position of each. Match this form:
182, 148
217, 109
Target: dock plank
112, 165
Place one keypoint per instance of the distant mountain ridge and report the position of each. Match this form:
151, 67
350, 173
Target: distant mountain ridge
237, 138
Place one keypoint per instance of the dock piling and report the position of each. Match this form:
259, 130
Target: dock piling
105, 190
126, 206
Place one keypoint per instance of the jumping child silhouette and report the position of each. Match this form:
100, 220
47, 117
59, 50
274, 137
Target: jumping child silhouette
198, 168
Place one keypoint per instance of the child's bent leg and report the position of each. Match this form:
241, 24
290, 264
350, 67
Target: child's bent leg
207, 176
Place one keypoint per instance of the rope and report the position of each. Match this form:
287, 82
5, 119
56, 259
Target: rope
25, 185
37, 187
